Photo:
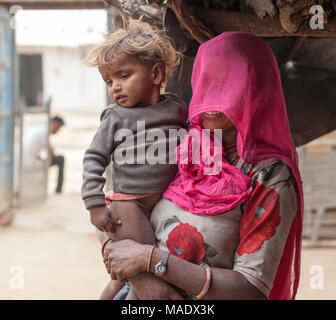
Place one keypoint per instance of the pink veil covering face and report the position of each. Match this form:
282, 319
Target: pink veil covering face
206, 183
237, 74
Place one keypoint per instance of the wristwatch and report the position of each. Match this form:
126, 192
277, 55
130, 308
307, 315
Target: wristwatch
161, 267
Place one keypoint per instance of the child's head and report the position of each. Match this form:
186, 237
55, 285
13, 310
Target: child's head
135, 63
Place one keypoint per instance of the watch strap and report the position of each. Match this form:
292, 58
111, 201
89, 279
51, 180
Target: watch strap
165, 257
163, 262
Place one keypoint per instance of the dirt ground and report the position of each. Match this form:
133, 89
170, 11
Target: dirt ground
51, 251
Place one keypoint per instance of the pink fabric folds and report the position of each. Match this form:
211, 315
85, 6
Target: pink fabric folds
237, 74
206, 183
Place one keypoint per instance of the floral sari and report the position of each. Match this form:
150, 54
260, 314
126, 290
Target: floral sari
249, 239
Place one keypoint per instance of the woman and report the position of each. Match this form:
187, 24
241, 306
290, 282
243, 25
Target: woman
253, 248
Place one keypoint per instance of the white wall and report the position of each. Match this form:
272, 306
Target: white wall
67, 79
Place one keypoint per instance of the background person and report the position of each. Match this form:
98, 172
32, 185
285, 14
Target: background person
35, 141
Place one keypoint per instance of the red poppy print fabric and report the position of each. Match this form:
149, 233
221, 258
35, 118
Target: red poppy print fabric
266, 220
262, 216
185, 242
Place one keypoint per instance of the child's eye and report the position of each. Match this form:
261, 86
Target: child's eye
109, 83
125, 75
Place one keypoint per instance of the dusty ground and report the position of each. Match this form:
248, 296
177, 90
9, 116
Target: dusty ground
51, 251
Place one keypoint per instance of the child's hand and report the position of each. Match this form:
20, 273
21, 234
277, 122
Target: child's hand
104, 219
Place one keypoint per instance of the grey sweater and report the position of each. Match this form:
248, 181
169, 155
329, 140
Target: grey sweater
141, 146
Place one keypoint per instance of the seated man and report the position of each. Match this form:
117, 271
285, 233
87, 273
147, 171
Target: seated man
36, 140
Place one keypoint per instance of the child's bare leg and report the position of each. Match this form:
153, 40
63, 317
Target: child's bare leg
112, 288
134, 223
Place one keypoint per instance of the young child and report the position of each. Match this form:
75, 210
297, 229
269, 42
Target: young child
135, 64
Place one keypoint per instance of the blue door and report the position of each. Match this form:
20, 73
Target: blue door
6, 112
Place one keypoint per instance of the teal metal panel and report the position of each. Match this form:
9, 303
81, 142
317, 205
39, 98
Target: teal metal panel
6, 110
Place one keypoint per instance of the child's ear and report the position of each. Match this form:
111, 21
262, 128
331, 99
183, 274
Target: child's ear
158, 73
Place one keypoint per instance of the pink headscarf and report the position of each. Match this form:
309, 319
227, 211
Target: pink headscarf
237, 74
206, 183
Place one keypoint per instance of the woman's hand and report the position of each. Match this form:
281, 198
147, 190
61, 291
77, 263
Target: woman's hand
126, 259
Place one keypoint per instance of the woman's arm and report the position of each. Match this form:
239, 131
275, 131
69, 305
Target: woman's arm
225, 284
128, 257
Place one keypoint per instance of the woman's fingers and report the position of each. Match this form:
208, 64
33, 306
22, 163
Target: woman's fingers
107, 266
113, 272
108, 249
126, 258
106, 261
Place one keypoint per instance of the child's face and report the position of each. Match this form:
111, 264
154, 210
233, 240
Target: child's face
130, 81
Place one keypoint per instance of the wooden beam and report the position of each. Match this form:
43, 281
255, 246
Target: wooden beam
221, 20
196, 29
56, 4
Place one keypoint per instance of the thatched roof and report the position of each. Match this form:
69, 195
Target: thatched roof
204, 19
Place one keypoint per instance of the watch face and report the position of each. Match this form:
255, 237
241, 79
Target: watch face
161, 268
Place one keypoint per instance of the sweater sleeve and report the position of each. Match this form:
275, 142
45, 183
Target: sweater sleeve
96, 158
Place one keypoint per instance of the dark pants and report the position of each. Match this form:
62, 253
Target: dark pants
59, 162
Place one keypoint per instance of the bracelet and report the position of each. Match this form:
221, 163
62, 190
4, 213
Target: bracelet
149, 258
104, 245
207, 283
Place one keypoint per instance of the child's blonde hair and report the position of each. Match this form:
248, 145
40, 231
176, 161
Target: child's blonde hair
139, 39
